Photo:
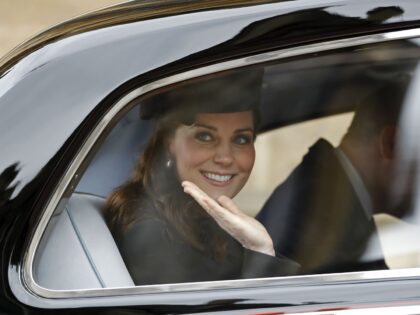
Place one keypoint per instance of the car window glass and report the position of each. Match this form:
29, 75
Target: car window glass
333, 187
295, 140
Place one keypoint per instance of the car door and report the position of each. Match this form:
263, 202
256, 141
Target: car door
334, 181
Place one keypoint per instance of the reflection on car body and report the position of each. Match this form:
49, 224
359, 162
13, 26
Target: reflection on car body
334, 183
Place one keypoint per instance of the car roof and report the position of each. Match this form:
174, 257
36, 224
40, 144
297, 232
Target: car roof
302, 19
127, 12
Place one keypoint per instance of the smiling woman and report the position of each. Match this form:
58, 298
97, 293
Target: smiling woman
168, 233
216, 152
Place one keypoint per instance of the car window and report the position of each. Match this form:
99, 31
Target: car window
283, 149
296, 167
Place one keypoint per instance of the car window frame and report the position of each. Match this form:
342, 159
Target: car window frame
21, 278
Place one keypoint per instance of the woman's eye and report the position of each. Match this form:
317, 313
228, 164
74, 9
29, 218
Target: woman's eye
204, 137
242, 139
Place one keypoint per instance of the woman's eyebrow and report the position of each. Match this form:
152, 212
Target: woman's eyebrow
204, 126
248, 129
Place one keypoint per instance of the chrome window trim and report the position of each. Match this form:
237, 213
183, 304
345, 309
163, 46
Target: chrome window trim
390, 310
29, 292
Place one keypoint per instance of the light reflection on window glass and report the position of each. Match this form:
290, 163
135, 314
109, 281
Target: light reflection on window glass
333, 187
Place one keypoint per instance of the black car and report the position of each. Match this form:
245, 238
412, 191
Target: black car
334, 182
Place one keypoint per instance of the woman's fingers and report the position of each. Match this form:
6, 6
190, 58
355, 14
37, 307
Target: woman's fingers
222, 215
228, 203
209, 204
226, 214
197, 193
224, 211
248, 231
198, 196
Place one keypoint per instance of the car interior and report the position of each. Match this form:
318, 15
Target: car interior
304, 99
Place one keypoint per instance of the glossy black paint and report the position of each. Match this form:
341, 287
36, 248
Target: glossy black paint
55, 89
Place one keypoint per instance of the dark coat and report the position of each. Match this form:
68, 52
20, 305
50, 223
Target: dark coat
155, 253
316, 219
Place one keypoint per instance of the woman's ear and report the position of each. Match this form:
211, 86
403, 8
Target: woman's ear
387, 138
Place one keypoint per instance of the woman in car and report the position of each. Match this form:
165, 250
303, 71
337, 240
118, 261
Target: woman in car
174, 221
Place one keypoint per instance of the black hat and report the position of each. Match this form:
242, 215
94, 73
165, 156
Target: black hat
222, 93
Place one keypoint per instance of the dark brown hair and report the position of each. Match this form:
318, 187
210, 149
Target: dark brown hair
381, 107
154, 191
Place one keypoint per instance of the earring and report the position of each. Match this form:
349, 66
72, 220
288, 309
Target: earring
169, 163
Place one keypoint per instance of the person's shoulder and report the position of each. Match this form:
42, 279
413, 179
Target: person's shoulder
321, 150
147, 223
146, 232
313, 171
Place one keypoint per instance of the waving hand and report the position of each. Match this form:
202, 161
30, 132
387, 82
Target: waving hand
244, 228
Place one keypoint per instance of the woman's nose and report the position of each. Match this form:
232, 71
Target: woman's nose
223, 155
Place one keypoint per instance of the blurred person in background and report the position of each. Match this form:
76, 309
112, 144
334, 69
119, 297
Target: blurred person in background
321, 215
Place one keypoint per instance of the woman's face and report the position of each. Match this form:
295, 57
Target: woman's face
216, 153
